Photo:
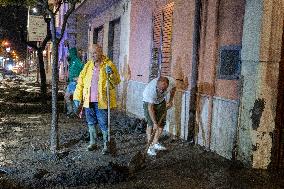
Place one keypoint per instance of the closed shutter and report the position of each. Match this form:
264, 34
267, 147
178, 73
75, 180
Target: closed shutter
162, 38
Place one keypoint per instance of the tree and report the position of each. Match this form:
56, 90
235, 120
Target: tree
51, 11
54, 139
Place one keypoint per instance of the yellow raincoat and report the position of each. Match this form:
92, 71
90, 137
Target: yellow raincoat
83, 88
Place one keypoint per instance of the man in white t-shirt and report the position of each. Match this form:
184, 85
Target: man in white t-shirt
155, 108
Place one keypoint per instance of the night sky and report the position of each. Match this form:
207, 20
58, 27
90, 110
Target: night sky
11, 18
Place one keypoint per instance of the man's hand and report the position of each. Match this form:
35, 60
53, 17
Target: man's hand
169, 104
108, 70
155, 126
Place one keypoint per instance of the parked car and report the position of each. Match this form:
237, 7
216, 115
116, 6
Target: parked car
4, 73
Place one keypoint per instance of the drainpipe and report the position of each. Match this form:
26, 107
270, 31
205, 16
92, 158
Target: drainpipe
194, 72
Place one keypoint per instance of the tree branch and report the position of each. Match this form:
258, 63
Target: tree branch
66, 16
58, 6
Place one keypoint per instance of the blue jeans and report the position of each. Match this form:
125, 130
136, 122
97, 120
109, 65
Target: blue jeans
96, 116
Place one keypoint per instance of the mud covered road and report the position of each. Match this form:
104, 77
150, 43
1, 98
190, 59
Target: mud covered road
26, 162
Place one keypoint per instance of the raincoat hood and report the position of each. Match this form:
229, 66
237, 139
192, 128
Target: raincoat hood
75, 64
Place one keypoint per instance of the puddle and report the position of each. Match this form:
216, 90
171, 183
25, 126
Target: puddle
13, 142
17, 129
2, 144
18, 134
2, 155
3, 120
35, 117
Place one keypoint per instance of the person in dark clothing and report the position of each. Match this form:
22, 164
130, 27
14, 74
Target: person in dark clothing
75, 67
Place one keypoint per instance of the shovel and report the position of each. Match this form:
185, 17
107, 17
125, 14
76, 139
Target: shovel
111, 141
138, 160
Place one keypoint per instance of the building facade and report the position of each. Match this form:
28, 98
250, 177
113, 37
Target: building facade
226, 57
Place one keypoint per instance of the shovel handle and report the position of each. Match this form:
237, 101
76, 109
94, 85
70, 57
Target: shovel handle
108, 108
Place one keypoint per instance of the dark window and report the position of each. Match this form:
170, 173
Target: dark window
96, 33
229, 62
114, 40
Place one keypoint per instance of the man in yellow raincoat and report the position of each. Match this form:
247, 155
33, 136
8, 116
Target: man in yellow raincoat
91, 91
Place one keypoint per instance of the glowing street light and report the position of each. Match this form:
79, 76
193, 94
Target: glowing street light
5, 43
34, 10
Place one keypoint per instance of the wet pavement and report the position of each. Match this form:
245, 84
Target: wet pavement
26, 162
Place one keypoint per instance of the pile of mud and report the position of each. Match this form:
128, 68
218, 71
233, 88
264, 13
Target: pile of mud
110, 174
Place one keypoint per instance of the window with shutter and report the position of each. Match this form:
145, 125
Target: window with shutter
162, 38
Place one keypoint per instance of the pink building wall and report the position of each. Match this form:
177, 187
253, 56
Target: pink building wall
217, 109
228, 32
141, 37
182, 40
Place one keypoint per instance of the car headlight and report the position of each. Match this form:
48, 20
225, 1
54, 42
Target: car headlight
10, 67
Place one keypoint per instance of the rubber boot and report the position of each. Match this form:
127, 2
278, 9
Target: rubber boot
93, 137
105, 140
69, 108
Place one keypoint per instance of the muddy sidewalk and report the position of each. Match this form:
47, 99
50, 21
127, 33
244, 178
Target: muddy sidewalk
26, 162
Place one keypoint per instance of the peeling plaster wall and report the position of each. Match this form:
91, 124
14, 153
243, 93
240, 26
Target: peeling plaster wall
134, 102
202, 121
263, 25
183, 17
224, 127
182, 39
177, 120
217, 112
178, 115
219, 98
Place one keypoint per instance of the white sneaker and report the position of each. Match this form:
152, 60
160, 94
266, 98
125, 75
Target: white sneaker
151, 151
158, 146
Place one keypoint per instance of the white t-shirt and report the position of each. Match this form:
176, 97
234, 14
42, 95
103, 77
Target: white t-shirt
150, 92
